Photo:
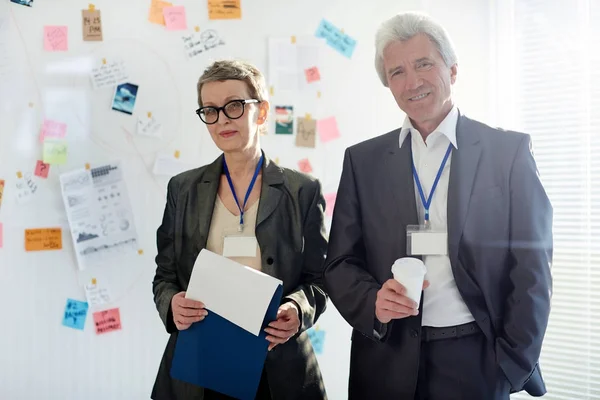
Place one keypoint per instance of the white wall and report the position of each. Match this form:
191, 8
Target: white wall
40, 359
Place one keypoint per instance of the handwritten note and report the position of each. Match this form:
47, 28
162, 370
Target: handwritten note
55, 38
149, 126
75, 314
330, 203
304, 166
328, 129
43, 239
336, 39
42, 169
200, 42
175, 18
317, 339
306, 132
1, 191
110, 74
91, 25
97, 295
53, 130
26, 188
312, 74
55, 152
224, 9
156, 15
107, 321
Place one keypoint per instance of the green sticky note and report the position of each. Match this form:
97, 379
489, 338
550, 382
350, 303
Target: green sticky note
55, 152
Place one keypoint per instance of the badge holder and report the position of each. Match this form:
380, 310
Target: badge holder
421, 240
237, 245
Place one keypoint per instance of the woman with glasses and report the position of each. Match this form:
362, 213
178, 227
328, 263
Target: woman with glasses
244, 197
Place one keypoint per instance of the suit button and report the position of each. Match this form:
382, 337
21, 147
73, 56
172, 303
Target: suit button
270, 260
414, 333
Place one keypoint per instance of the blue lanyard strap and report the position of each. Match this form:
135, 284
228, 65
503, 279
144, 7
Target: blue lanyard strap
252, 182
427, 202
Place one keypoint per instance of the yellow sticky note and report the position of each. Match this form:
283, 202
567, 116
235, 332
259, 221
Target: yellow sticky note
140, 252
224, 9
293, 39
177, 154
156, 15
43, 239
55, 152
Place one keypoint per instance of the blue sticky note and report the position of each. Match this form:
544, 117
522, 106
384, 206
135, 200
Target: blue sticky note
75, 313
335, 38
317, 338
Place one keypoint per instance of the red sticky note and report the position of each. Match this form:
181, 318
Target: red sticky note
42, 169
330, 203
312, 74
107, 321
175, 18
53, 129
328, 129
55, 38
304, 166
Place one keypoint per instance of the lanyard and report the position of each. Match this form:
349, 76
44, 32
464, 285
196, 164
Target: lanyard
252, 182
427, 202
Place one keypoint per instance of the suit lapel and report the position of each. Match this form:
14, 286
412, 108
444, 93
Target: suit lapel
402, 185
270, 193
463, 169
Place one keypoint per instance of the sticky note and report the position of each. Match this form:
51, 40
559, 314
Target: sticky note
306, 132
42, 169
1, 191
328, 129
330, 203
75, 314
91, 22
317, 339
312, 74
1, 235
55, 38
43, 239
175, 18
107, 321
224, 9
304, 166
55, 152
53, 130
336, 38
156, 15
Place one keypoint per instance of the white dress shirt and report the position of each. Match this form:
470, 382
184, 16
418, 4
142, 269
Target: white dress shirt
442, 302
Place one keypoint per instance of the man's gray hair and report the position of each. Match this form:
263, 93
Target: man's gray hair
404, 26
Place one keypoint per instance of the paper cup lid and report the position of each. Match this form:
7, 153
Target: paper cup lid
409, 264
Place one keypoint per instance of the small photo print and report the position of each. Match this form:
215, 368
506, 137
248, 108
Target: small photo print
28, 3
125, 98
284, 120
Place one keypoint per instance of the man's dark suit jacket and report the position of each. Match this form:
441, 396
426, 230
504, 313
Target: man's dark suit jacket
500, 249
291, 233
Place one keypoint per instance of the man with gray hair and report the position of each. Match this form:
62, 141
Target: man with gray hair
464, 198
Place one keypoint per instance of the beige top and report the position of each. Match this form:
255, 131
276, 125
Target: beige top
225, 223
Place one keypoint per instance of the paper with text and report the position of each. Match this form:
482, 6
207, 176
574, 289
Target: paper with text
42, 169
53, 130
149, 126
107, 321
56, 38
55, 152
175, 19
109, 74
335, 38
91, 22
201, 42
75, 314
43, 239
224, 9
26, 188
96, 294
306, 133
289, 62
156, 15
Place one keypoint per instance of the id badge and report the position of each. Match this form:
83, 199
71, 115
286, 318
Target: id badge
239, 246
424, 241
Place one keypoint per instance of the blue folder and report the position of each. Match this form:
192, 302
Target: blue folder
219, 355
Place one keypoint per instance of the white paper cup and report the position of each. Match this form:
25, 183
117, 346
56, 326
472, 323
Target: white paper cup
410, 272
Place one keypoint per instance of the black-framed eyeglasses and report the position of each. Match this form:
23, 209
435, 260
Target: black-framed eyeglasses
234, 109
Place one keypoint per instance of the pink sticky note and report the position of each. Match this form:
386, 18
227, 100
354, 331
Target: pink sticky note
1, 235
55, 38
175, 18
328, 129
330, 203
42, 169
53, 129
312, 74
304, 166
107, 321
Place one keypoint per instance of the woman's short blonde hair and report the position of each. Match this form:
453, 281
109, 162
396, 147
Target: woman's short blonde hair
224, 70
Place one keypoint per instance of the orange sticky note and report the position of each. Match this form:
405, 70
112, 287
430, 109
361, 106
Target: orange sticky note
328, 129
156, 15
107, 321
305, 166
55, 38
1, 191
1, 235
330, 203
224, 9
43, 239
312, 74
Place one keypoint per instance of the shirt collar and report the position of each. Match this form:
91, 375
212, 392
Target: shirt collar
446, 127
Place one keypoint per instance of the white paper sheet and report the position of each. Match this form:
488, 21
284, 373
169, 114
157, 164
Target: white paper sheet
109, 75
288, 61
168, 165
237, 293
